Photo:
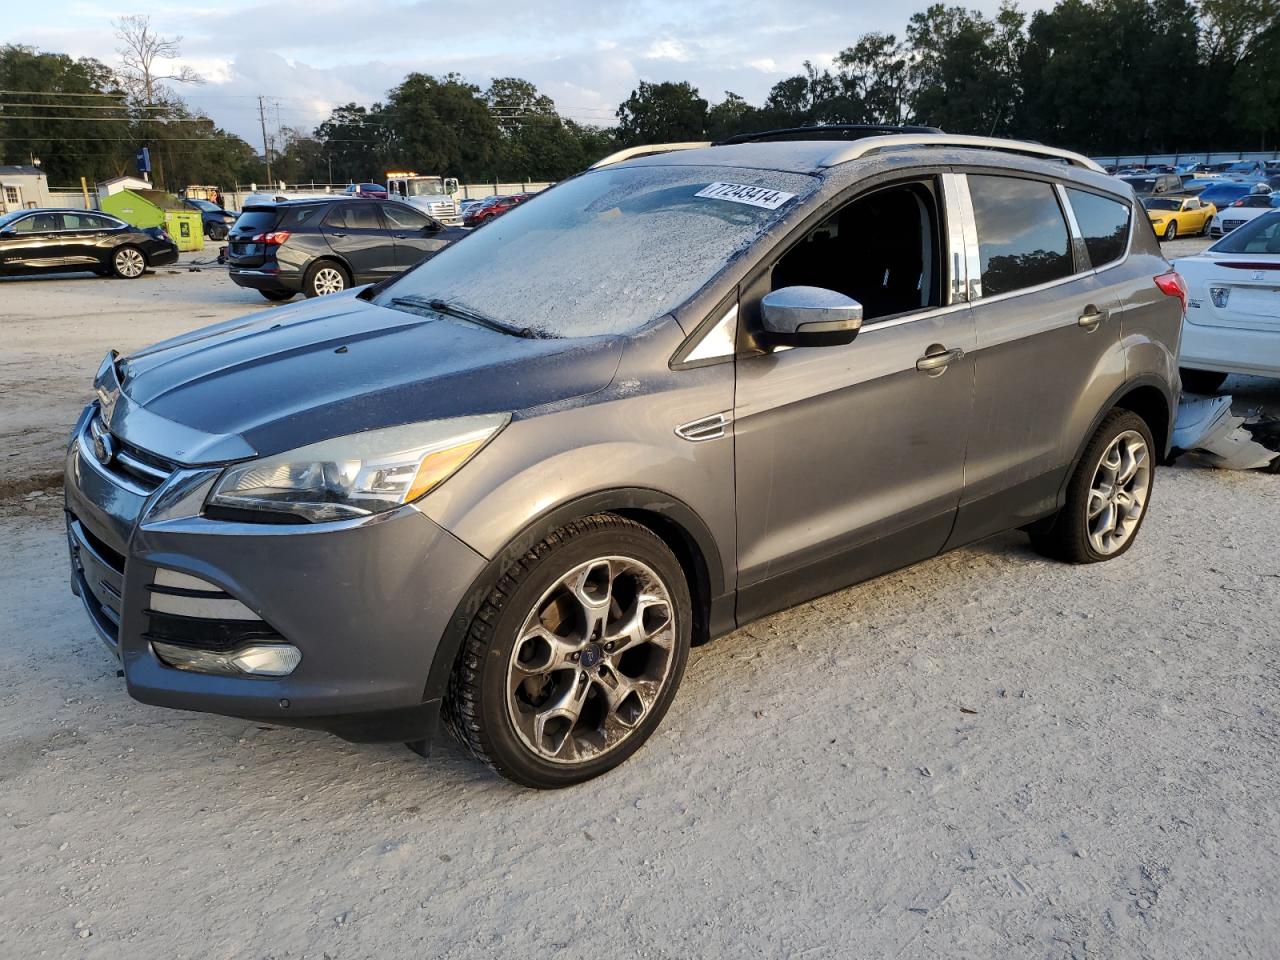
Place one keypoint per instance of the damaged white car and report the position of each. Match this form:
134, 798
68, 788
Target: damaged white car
1232, 323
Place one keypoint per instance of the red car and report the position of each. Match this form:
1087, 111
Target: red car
492, 207
375, 191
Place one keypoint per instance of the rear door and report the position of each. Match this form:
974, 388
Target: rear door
1048, 350
417, 236
355, 230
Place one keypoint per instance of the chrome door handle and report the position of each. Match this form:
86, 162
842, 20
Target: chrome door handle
1091, 317
937, 359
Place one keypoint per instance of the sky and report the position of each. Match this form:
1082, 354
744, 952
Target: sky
307, 56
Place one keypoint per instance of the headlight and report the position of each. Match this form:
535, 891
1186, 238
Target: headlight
359, 474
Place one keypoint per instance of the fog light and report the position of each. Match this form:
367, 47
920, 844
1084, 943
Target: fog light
255, 660
1219, 296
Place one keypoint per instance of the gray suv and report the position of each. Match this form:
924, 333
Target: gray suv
672, 394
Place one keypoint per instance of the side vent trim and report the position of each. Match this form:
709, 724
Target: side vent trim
705, 428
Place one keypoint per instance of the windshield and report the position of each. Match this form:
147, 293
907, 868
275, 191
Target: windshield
608, 251
1242, 167
1159, 203
1259, 235
1141, 184
424, 188
205, 205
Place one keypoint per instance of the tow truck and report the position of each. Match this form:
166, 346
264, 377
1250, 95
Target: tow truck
430, 194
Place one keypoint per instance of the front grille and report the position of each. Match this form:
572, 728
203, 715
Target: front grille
130, 465
1232, 224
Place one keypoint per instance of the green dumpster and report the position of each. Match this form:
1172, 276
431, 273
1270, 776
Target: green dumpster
155, 208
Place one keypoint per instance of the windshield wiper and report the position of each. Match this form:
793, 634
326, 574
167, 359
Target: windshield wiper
462, 313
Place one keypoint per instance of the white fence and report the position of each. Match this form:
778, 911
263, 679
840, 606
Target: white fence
1174, 159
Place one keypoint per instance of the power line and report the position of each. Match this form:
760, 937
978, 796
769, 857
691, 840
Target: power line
6, 116
55, 93
86, 106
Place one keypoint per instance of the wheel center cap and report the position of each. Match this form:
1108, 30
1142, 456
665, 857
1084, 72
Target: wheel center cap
592, 654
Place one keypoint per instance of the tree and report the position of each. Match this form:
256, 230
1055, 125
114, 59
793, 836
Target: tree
730, 116
873, 74
440, 126
662, 113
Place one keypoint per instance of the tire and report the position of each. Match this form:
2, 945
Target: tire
1171, 231
1201, 381
1072, 535
500, 692
277, 296
216, 231
128, 262
325, 277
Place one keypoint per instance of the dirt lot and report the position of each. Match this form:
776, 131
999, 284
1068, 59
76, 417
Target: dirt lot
987, 755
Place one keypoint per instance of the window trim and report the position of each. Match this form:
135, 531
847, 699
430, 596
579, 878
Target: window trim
1128, 240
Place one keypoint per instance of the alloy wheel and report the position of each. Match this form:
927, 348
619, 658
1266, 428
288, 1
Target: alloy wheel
1118, 494
592, 659
328, 280
129, 263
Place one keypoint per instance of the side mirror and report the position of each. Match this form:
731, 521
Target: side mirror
809, 317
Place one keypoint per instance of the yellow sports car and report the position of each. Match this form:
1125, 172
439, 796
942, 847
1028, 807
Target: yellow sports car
1179, 216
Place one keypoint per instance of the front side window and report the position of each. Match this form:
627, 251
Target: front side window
1104, 223
895, 273
1022, 235
37, 223
608, 251
402, 217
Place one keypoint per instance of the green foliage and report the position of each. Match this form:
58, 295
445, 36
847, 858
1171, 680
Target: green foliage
662, 113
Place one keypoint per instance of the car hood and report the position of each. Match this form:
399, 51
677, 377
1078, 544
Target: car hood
339, 365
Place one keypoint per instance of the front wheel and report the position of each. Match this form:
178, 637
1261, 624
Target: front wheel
575, 655
128, 263
1171, 231
216, 231
1107, 497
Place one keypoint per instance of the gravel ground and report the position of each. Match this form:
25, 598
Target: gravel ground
986, 755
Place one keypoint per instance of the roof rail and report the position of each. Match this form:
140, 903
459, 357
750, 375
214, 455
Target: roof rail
862, 148
631, 152
824, 131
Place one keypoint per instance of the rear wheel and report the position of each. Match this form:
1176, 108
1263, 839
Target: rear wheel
575, 655
325, 277
1201, 381
1107, 497
128, 263
279, 296
1171, 231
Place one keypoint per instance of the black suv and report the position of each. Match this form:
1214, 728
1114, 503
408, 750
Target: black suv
327, 245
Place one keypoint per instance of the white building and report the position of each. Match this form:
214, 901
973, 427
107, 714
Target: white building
23, 187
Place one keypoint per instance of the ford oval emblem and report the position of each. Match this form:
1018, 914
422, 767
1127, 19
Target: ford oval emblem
104, 449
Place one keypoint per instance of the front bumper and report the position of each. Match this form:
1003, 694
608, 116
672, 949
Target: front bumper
366, 602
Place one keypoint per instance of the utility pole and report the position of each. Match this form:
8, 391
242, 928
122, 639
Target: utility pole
266, 147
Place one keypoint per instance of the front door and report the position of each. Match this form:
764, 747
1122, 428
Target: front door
850, 459
31, 244
417, 236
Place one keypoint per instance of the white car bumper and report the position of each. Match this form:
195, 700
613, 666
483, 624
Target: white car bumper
1230, 350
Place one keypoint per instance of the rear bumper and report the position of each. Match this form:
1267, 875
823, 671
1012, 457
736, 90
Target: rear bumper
162, 256
366, 602
255, 278
1230, 350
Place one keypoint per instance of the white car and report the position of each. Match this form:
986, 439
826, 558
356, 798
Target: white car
1242, 211
1232, 323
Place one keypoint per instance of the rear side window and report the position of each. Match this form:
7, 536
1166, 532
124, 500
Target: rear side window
1104, 224
1022, 236
353, 216
305, 216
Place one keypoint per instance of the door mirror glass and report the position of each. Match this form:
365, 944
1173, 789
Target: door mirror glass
809, 317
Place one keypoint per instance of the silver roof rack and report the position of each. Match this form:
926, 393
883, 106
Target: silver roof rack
632, 152
869, 145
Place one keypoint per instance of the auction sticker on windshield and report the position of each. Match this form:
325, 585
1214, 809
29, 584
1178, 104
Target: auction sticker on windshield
741, 193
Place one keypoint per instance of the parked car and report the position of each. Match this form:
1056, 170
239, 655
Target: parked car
1242, 211
217, 222
1223, 193
521, 479
66, 241
492, 207
320, 247
1247, 171
370, 191
1233, 306
1152, 184
1173, 217
469, 203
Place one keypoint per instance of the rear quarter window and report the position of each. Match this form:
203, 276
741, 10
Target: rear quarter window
1022, 235
1104, 224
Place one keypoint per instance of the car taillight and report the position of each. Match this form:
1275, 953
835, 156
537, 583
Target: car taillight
1238, 203
1171, 284
272, 239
